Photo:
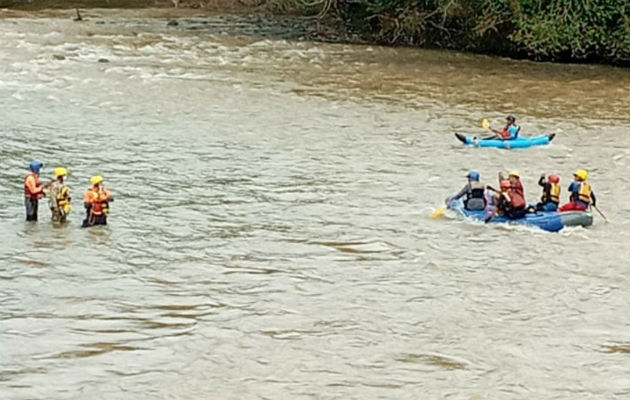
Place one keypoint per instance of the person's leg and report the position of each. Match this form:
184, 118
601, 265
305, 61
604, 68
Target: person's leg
572, 206
31, 209
551, 206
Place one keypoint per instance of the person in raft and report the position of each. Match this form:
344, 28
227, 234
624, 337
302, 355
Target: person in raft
509, 203
551, 193
474, 192
514, 177
582, 196
96, 202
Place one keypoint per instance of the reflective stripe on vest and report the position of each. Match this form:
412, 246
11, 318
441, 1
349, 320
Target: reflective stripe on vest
63, 199
97, 208
584, 192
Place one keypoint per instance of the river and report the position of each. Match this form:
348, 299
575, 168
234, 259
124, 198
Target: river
270, 236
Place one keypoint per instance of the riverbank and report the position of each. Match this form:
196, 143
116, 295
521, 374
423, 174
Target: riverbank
260, 18
604, 36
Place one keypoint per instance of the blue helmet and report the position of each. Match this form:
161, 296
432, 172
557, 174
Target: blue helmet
474, 175
35, 166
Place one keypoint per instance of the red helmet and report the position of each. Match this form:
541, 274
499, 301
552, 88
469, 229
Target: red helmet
553, 178
505, 184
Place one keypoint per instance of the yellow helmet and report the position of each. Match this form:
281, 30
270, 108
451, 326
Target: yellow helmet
96, 179
60, 171
514, 173
581, 174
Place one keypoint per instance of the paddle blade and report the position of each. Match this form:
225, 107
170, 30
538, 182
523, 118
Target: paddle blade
485, 123
439, 213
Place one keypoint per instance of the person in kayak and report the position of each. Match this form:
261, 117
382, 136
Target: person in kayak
551, 193
509, 203
474, 192
59, 196
96, 202
582, 196
510, 130
33, 190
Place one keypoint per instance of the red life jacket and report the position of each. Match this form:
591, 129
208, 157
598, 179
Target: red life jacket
27, 188
517, 199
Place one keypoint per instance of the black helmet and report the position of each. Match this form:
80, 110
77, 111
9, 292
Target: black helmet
510, 118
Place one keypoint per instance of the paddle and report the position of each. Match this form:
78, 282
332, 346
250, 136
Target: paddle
601, 213
439, 212
486, 125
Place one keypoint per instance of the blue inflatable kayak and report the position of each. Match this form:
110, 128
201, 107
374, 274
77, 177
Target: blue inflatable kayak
548, 221
518, 143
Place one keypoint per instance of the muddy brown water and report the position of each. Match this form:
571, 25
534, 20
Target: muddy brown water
271, 236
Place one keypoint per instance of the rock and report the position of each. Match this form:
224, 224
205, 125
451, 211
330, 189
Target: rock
103, 60
172, 23
58, 57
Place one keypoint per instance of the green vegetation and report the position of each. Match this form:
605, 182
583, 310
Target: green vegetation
557, 30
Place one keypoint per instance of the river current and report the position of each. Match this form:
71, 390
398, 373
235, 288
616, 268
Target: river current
270, 236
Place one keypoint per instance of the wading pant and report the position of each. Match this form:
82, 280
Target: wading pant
31, 208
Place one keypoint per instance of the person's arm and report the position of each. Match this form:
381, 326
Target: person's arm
87, 199
593, 199
52, 195
108, 196
459, 194
541, 181
462, 192
32, 186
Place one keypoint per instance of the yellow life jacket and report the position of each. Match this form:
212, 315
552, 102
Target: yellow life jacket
554, 192
63, 200
584, 192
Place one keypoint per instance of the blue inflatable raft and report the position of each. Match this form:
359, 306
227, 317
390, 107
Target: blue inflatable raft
548, 221
518, 143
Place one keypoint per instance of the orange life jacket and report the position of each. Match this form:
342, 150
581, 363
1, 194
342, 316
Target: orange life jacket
98, 199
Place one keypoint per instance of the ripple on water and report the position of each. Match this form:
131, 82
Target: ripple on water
271, 234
